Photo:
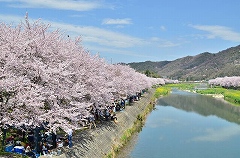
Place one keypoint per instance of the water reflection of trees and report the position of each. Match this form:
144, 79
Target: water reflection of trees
203, 105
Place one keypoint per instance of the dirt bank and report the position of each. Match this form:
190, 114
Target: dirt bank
98, 142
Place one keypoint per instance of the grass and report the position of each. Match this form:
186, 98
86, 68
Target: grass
183, 86
161, 91
216, 90
230, 95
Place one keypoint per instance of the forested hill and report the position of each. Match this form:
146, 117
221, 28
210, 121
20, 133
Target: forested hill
203, 66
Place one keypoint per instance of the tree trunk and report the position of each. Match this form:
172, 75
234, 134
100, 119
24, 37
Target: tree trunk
36, 140
54, 137
4, 136
23, 136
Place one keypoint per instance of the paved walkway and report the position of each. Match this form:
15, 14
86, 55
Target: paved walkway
97, 142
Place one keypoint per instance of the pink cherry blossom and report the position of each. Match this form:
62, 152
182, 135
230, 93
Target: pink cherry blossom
46, 76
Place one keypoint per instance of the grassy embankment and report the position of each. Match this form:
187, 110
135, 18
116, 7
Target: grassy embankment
230, 95
182, 86
138, 124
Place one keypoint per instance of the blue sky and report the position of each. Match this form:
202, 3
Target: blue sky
137, 30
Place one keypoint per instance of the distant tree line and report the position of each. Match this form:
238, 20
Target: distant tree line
151, 74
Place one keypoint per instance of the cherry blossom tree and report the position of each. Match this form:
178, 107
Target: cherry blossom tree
233, 81
37, 70
170, 81
47, 78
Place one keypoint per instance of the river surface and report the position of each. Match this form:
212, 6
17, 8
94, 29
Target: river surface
187, 125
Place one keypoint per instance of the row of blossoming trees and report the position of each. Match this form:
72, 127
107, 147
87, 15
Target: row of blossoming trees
228, 82
47, 77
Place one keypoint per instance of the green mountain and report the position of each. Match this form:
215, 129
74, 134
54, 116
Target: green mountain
203, 66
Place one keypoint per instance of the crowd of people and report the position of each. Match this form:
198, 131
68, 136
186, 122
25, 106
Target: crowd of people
49, 143
108, 112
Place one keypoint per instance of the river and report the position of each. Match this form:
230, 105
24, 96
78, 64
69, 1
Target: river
188, 125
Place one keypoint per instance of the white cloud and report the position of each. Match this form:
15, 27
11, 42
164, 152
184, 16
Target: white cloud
100, 36
215, 135
163, 28
159, 122
161, 43
55, 4
89, 33
10, 19
76, 16
216, 31
125, 21
155, 39
103, 50
165, 44
98, 39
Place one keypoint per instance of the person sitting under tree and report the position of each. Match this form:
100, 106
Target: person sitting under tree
70, 132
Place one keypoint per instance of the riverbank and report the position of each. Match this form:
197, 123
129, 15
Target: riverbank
108, 136
188, 125
231, 96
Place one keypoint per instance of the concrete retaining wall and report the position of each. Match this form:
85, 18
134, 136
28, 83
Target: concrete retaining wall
98, 142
